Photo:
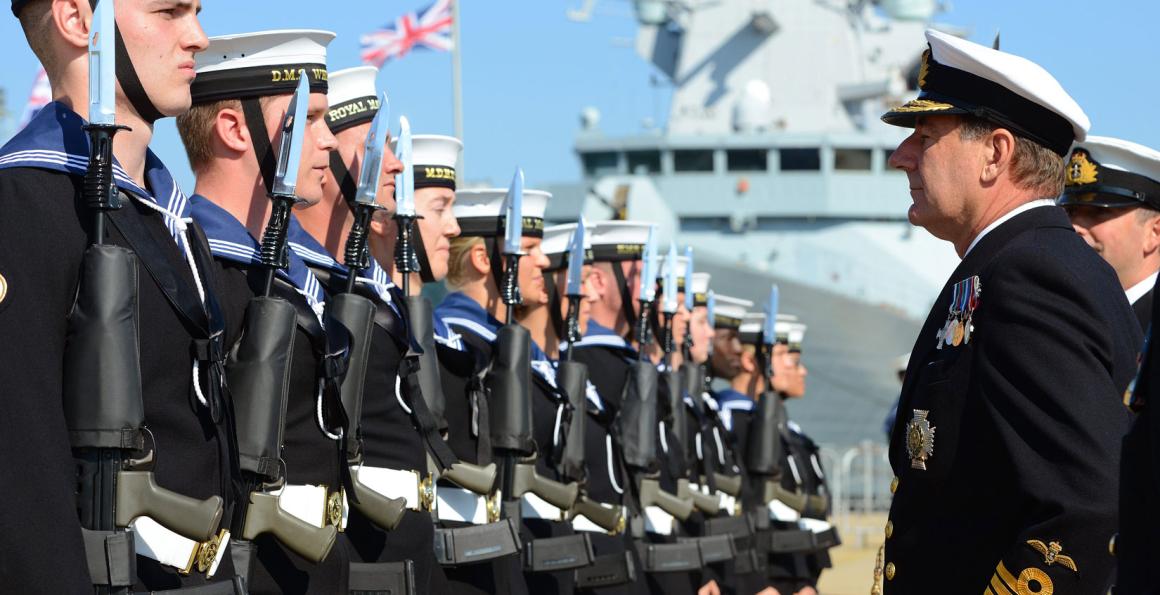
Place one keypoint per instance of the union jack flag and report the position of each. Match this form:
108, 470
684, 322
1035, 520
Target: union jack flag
429, 28
41, 95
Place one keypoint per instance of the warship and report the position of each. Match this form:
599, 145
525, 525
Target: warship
772, 164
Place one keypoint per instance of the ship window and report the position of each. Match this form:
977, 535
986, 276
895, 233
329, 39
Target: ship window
747, 159
599, 163
801, 160
852, 159
648, 162
693, 160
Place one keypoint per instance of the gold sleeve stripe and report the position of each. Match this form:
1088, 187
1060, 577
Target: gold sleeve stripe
998, 587
1006, 575
988, 591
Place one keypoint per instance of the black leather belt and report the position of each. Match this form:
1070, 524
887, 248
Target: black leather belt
607, 571
219, 588
476, 543
714, 548
551, 554
786, 541
682, 556
387, 578
827, 539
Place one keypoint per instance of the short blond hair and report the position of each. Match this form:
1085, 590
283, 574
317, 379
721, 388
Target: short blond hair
196, 129
458, 265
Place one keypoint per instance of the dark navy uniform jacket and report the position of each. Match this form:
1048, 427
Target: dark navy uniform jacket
43, 233
1019, 491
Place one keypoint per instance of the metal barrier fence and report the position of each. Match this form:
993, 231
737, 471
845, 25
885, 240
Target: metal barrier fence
859, 481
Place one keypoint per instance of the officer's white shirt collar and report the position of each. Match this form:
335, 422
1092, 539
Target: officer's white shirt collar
1027, 206
1138, 290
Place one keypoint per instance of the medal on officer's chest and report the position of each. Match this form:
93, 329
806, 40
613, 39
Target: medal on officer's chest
919, 439
958, 328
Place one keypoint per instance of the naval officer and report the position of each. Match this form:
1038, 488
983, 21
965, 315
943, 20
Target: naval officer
1112, 196
1006, 447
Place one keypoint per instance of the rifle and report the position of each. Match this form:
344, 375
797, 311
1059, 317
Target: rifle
509, 380
637, 421
764, 450
476, 478
102, 394
259, 371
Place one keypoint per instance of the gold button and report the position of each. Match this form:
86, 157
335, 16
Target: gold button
1112, 545
889, 529
890, 571
894, 484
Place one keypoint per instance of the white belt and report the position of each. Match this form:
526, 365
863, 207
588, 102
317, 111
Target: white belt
535, 507
314, 504
153, 540
392, 483
583, 523
728, 503
465, 506
815, 525
780, 512
658, 521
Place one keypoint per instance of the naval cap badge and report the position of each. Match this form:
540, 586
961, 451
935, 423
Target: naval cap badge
919, 439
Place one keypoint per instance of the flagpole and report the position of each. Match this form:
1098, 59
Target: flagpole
457, 87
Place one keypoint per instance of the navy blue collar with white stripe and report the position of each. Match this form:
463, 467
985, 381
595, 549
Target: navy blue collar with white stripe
464, 314
230, 240
314, 253
55, 140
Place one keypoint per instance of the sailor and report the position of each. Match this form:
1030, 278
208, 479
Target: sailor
243, 89
714, 454
1112, 196
606, 350
474, 310
676, 440
1016, 378
394, 440
802, 472
44, 235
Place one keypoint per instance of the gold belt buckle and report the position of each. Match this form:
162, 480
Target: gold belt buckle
427, 493
493, 507
205, 552
334, 509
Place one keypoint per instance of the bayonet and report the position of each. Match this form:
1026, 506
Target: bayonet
290, 147
405, 180
669, 304
689, 303
576, 261
370, 172
102, 66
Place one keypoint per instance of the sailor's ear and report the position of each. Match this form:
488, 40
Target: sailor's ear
230, 130
73, 20
480, 261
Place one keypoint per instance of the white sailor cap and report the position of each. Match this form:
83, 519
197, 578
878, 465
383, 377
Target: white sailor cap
246, 65
751, 327
701, 289
729, 312
957, 76
557, 240
797, 333
353, 97
480, 212
434, 157
1110, 172
784, 326
614, 241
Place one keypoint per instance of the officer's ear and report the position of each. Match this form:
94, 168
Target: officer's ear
748, 361
229, 128
998, 148
1151, 231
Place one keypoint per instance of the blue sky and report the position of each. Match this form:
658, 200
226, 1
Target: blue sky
528, 70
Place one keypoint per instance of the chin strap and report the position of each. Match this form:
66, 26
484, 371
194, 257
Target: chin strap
625, 299
260, 139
